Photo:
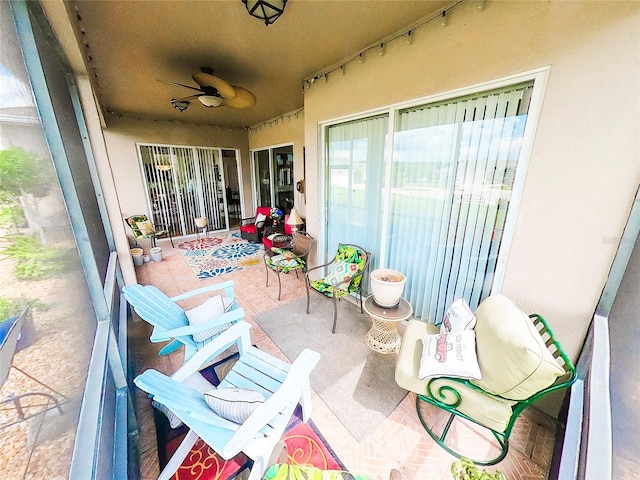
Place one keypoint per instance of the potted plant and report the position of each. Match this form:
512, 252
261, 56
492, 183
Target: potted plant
387, 286
465, 469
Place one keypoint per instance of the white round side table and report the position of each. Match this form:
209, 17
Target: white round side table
383, 336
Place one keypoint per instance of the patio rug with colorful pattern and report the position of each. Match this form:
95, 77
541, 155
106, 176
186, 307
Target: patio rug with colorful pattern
305, 446
220, 253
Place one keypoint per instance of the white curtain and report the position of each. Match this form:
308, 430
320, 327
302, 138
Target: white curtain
355, 166
452, 175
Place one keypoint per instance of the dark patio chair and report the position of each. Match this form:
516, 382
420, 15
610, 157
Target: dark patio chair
285, 260
143, 228
251, 228
343, 278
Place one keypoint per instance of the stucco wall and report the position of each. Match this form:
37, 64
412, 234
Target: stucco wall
122, 134
584, 169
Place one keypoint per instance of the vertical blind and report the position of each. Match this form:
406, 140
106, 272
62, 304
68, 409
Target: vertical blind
184, 183
354, 176
451, 179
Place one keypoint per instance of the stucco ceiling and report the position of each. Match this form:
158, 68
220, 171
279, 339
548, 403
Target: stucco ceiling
131, 45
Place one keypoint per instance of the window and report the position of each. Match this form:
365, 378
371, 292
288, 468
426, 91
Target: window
436, 207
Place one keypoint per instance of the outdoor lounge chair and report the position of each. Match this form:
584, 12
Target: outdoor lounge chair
343, 278
251, 228
519, 360
171, 323
143, 228
261, 426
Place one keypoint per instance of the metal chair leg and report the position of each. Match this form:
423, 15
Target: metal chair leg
279, 283
335, 314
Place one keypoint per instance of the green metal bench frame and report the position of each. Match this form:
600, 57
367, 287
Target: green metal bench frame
437, 398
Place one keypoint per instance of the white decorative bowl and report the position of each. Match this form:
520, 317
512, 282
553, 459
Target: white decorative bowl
387, 286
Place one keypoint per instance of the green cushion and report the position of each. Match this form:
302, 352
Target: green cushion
514, 360
284, 264
327, 289
352, 255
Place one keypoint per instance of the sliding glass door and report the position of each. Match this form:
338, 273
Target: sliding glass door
354, 173
436, 207
273, 177
184, 183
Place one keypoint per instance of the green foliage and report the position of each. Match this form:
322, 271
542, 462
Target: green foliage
34, 260
10, 307
11, 216
22, 171
465, 469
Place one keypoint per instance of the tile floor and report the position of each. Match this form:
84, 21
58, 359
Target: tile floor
400, 442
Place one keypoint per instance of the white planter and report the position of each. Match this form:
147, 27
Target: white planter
387, 286
201, 222
136, 255
156, 254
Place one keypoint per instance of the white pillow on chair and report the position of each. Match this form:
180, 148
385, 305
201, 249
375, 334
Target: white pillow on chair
449, 355
212, 308
261, 217
233, 404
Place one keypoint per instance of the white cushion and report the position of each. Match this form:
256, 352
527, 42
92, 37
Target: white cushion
146, 228
449, 355
234, 404
261, 217
458, 317
195, 381
514, 358
212, 308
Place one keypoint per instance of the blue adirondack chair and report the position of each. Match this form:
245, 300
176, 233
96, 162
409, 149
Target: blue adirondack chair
282, 385
170, 321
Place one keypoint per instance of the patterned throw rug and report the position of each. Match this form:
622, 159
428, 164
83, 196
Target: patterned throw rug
220, 253
305, 444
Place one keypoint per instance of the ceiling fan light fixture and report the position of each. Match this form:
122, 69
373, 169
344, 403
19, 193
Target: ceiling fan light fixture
266, 10
210, 100
179, 104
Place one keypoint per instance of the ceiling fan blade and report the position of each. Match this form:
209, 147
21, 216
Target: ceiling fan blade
180, 85
190, 98
243, 99
207, 80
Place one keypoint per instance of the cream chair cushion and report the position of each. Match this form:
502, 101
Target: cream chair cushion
513, 358
490, 411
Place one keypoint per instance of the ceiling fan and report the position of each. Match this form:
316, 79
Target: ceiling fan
214, 92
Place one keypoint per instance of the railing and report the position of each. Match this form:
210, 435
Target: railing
588, 442
587, 448
107, 425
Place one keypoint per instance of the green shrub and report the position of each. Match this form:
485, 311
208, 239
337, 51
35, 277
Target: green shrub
34, 260
10, 307
11, 216
465, 469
